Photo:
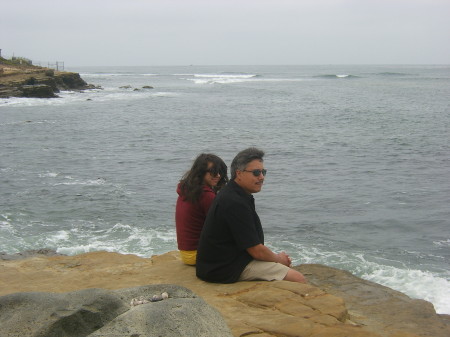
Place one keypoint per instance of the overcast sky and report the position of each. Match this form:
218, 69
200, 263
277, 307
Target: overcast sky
226, 32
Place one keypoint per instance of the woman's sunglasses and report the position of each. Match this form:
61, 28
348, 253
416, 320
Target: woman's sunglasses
213, 171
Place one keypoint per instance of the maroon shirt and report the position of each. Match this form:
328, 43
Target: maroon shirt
189, 218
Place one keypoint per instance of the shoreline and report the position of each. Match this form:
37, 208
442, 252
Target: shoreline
339, 301
42, 252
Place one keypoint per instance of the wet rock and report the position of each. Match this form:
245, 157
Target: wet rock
38, 91
377, 307
29, 253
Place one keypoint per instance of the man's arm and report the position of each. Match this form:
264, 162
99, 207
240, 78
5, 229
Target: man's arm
262, 253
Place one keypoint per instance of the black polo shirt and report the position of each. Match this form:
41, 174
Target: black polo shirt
231, 226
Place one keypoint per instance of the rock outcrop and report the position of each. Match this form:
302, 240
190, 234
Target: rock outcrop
37, 90
376, 307
30, 81
334, 304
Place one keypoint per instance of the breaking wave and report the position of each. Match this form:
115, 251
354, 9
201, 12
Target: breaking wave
430, 286
337, 76
220, 78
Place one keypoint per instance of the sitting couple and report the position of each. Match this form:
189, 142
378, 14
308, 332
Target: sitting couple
222, 235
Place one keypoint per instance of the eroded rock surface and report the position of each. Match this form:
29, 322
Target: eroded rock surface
376, 307
257, 309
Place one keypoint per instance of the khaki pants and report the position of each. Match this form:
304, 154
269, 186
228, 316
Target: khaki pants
264, 271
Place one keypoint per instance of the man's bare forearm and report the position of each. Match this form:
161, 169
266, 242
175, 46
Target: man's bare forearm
262, 253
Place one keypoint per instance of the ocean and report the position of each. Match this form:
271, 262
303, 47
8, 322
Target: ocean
358, 163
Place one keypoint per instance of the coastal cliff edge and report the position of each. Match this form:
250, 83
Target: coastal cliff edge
334, 303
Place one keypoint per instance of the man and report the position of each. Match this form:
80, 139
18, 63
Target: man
231, 246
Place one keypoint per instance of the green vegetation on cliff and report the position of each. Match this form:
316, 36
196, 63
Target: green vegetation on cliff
15, 61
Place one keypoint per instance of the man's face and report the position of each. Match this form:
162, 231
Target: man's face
247, 180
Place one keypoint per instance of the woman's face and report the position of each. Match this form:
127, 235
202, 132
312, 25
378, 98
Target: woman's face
211, 179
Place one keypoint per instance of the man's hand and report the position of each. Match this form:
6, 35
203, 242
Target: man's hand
262, 253
284, 259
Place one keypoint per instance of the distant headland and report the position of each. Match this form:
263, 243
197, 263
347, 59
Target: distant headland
20, 78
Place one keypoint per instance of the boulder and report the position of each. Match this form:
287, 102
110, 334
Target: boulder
47, 314
99, 312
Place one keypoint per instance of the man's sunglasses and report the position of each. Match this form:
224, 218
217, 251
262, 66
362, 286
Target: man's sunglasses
258, 172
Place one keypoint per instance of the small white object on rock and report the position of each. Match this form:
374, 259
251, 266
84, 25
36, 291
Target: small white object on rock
142, 300
138, 300
156, 298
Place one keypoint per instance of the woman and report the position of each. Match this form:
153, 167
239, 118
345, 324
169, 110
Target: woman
196, 191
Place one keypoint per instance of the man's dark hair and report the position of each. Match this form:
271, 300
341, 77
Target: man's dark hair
243, 158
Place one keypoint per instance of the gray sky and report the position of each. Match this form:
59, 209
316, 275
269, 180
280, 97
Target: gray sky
226, 32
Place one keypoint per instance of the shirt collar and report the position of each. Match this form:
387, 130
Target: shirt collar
235, 186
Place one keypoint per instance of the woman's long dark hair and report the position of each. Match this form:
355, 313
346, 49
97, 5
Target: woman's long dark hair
191, 183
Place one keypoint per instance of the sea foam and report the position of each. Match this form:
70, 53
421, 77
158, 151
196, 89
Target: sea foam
416, 284
221, 78
430, 286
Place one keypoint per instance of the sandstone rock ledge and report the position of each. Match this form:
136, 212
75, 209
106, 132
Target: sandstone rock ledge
335, 304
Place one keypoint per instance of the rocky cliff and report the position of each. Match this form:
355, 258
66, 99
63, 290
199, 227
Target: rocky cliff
31, 81
335, 303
